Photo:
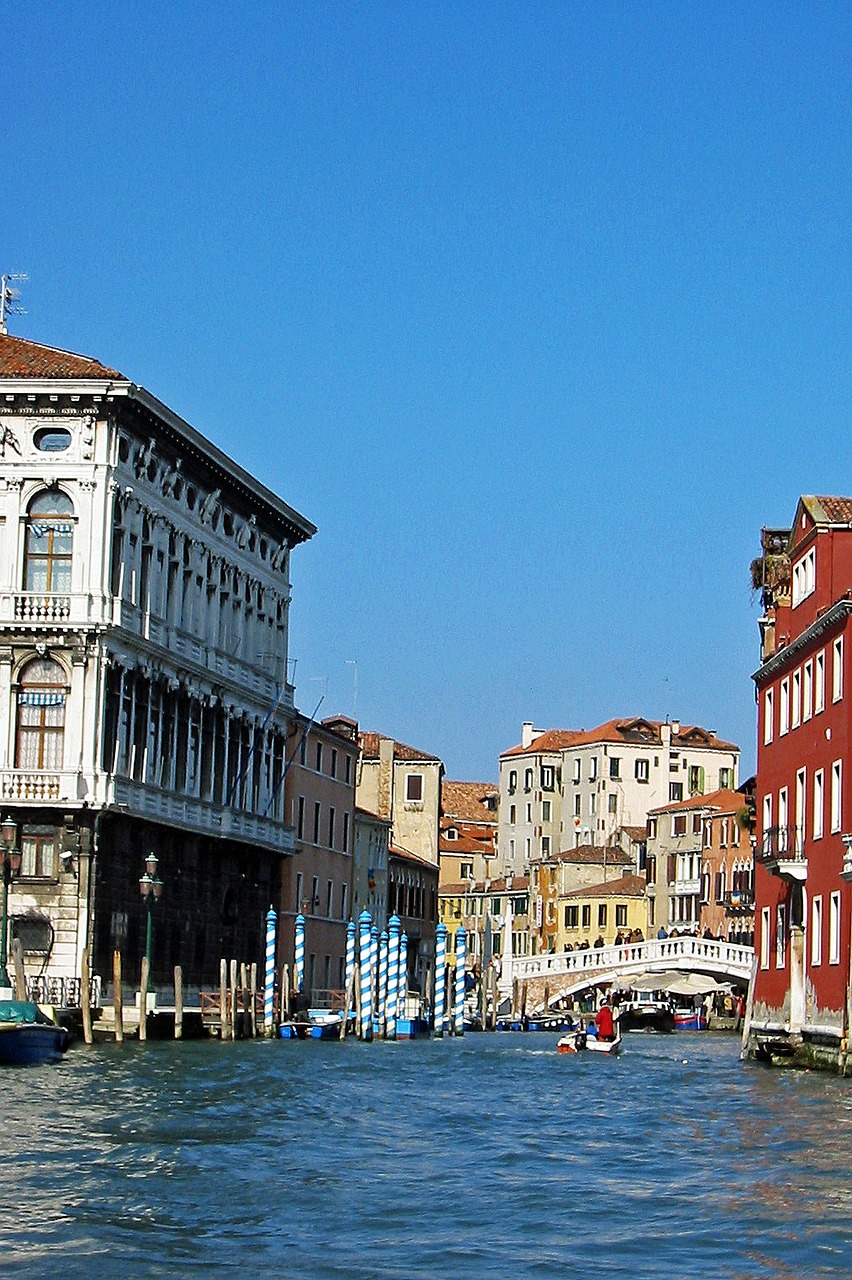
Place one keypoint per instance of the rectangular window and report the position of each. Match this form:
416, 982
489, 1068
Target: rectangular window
678, 824
834, 928
652, 828
696, 779
545, 846
816, 931
675, 791
333, 765
780, 936
593, 804
528, 779
578, 764
640, 769
38, 853
818, 803
621, 916
513, 814
316, 822
319, 757
547, 777
808, 691
348, 769
300, 821
804, 577
726, 778
414, 787
587, 917
329, 897
801, 793
546, 810
529, 812
767, 814
344, 900
299, 886
615, 767
764, 938
577, 802
593, 768
796, 707
612, 802
314, 906
602, 915
837, 669
836, 798
345, 845
784, 708
513, 781
819, 683
768, 714
331, 817
572, 916
723, 842
696, 824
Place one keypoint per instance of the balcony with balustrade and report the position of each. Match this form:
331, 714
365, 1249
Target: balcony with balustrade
782, 853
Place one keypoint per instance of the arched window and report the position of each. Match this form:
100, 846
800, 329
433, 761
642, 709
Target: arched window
47, 553
41, 716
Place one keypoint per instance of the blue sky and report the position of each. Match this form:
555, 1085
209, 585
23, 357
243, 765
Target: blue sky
539, 312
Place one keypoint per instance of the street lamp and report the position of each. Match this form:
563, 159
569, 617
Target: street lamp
11, 856
151, 888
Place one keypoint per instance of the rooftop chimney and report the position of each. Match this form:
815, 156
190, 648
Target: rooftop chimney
526, 733
675, 726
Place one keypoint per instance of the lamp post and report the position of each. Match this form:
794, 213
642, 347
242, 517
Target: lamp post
11, 856
151, 888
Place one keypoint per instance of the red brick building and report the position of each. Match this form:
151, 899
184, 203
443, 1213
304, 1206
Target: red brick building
801, 994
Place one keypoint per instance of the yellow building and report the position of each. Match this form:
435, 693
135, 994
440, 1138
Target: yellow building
600, 911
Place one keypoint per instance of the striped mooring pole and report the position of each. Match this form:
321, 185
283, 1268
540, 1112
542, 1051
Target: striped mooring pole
440, 979
394, 926
461, 957
299, 956
350, 952
374, 969
402, 984
269, 974
382, 999
364, 957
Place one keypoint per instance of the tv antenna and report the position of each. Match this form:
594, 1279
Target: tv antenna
9, 297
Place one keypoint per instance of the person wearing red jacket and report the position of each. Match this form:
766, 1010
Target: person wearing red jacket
604, 1023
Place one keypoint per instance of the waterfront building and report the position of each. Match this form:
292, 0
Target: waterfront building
144, 700
370, 870
413, 896
596, 914
316, 881
803, 857
496, 918
582, 787
727, 869
674, 864
561, 874
403, 785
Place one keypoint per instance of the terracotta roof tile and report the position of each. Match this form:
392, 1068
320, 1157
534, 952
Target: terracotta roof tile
829, 510
466, 800
626, 887
593, 854
630, 730
712, 800
551, 740
22, 359
370, 747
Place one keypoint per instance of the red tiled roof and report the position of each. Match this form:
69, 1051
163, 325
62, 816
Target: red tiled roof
712, 800
22, 359
405, 855
631, 730
370, 748
466, 800
465, 844
636, 833
626, 887
829, 510
593, 854
376, 817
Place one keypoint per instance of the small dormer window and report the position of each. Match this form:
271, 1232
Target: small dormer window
804, 577
452, 833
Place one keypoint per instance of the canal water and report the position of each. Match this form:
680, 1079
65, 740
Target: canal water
488, 1156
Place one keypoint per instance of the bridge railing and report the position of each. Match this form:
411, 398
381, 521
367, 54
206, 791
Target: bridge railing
661, 953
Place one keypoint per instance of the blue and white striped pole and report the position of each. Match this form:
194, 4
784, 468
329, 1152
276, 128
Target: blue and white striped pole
461, 957
269, 974
440, 979
374, 971
403, 975
299, 955
382, 998
394, 925
364, 957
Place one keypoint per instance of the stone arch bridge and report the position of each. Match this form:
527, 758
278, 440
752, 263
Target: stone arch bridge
550, 978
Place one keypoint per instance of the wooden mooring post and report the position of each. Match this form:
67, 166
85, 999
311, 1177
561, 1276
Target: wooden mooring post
232, 993
85, 996
117, 998
18, 964
223, 1000
143, 1001
178, 1002
253, 998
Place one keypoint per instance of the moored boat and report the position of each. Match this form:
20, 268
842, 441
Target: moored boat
28, 1036
690, 1020
582, 1042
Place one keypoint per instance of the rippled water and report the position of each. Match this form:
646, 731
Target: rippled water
488, 1156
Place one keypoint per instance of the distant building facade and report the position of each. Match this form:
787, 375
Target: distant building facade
144, 708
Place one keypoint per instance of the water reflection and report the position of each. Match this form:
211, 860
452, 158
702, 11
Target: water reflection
490, 1155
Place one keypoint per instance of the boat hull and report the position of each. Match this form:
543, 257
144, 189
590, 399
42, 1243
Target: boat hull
23, 1045
578, 1042
690, 1020
647, 1017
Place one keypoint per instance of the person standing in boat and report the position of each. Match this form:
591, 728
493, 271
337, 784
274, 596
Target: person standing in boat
604, 1023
